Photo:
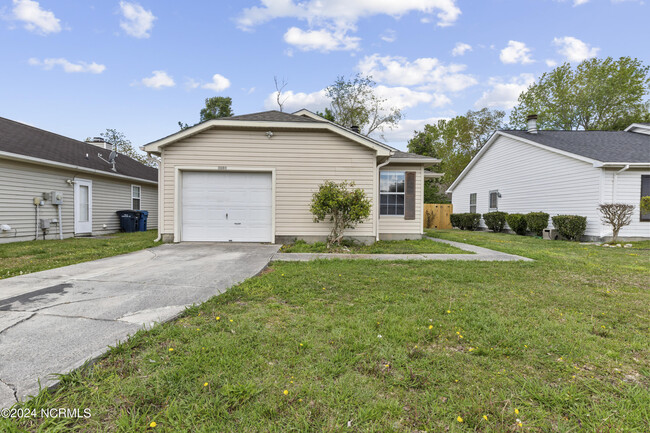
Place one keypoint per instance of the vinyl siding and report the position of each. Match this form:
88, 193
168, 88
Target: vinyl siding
397, 224
628, 190
20, 182
532, 179
302, 161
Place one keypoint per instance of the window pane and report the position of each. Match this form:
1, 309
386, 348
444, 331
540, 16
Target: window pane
399, 210
391, 199
399, 199
83, 203
384, 181
136, 204
383, 199
136, 191
383, 210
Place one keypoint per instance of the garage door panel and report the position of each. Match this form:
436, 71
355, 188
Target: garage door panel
225, 206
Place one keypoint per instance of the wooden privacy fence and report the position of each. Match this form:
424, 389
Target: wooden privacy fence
437, 216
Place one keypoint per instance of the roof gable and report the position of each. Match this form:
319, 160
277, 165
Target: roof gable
20, 139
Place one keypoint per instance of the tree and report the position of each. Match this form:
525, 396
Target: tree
354, 102
279, 87
123, 145
617, 215
216, 107
456, 141
326, 114
346, 206
597, 94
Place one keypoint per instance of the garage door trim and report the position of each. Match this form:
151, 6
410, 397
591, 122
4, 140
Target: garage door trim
178, 187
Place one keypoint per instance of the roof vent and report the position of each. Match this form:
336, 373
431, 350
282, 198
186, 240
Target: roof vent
531, 123
354, 128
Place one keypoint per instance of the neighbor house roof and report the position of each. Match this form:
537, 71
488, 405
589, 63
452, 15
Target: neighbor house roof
29, 143
603, 146
272, 116
600, 148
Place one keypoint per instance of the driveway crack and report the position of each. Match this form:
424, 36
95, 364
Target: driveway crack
18, 323
12, 387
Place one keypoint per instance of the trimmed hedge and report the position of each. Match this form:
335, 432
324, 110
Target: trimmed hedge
517, 223
570, 226
537, 222
465, 221
495, 221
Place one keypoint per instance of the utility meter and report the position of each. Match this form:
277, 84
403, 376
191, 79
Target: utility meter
56, 197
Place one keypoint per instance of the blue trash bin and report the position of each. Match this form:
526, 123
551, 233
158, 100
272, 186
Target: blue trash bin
142, 220
128, 220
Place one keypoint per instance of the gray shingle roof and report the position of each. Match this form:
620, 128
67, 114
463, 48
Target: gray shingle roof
400, 154
21, 139
603, 146
272, 116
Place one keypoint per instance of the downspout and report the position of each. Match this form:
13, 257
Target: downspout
627, 166
159, 193
378, 198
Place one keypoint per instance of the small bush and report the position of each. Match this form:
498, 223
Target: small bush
465, 221
517, 223
495, 221
537, 222
570, 226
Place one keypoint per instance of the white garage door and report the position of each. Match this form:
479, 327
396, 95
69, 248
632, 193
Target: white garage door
226, 206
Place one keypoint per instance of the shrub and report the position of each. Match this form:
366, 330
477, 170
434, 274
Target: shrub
495, 221
537, 222
517, 223
570, 226
617, 215
465, 221
346, 206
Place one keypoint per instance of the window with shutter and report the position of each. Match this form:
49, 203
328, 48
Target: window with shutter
645, 192
391, 192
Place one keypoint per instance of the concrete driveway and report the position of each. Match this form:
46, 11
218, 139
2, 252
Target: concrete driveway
53, 321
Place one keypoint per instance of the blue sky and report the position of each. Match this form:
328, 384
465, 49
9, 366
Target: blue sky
77, 68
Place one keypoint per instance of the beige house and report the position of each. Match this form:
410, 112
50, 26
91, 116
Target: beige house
55, 187
251, 178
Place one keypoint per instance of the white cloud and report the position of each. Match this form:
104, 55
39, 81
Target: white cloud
218, 83
516, 52
460, 49
315, 101
551, 63
403, 97
574, 49
406, 128
321, 40
504, 94
344, 13
428, 73
36, 19
69, 67
579, 2
137, 21
389, 36
158, 80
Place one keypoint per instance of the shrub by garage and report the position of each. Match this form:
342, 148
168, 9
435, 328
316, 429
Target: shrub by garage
465, 221
570, 226
495, 221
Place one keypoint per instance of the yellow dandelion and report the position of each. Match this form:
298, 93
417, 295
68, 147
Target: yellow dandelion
387, 365
448, 311
291, 381
416, 347
153, 424
520, 424
471, 348
430, 326
456, 380
231, 320
217, 318
339, 275
460, 336
283, 275
516, 411
171, 349
205, 384
286, 392
323, 288
300, 399
485, 417
301, 344
459, 419
457, 333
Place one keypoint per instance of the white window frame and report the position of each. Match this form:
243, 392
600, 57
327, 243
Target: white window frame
403, 193
496, 192
474, 196
136, 198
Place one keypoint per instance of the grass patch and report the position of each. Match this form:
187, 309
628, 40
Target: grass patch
420, 246
560, 344
18, 258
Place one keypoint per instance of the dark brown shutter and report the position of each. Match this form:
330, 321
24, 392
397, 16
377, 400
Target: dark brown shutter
409, 196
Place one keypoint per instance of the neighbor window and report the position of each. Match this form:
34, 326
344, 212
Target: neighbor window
472, 202
135, 197
391, 189
645, 192
494, 200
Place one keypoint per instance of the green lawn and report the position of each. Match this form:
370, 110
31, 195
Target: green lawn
420, 246
561, 344
18, 258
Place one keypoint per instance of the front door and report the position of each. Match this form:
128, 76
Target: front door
83, 206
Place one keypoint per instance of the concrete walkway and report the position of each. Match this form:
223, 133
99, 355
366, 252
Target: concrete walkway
478, 254
53, 321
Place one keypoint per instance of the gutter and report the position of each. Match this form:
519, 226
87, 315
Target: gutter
39, 161
627, 166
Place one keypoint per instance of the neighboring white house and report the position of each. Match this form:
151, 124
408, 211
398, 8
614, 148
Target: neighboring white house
560, 172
